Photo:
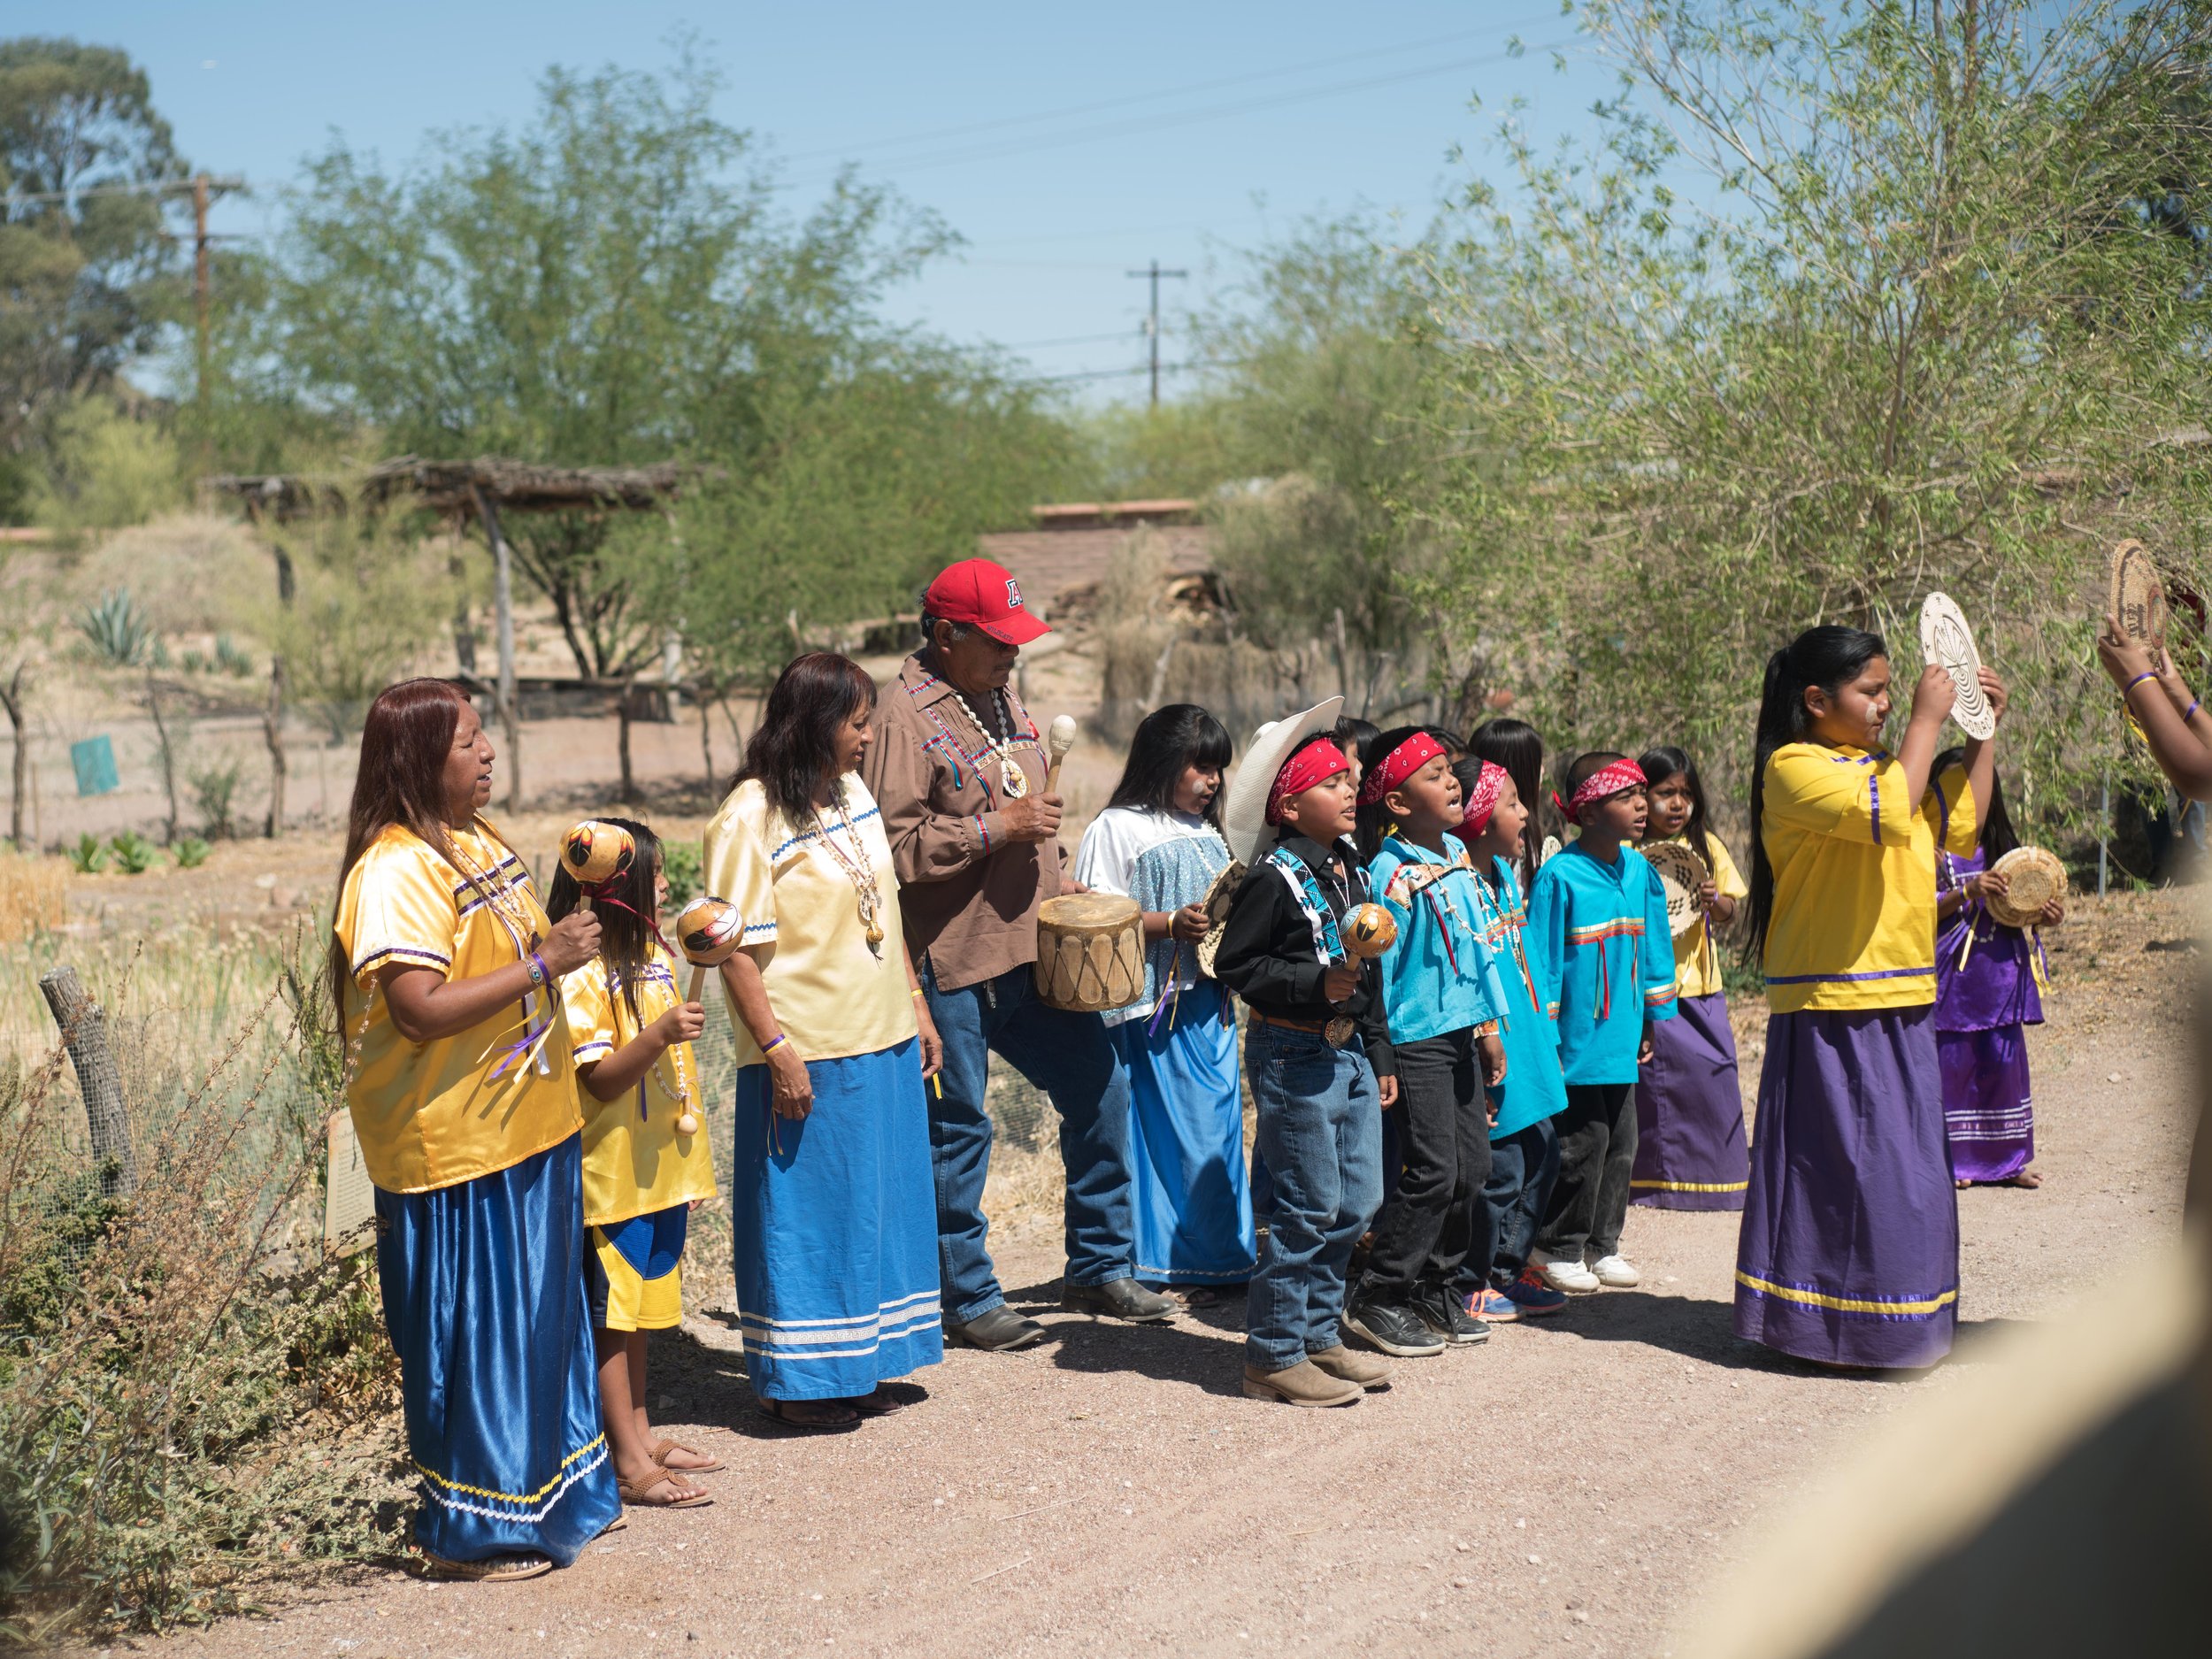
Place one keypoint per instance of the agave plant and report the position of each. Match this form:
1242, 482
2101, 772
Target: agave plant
120, 633
87, 857
133, 854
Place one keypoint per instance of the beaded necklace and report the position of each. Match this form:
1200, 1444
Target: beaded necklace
859, 870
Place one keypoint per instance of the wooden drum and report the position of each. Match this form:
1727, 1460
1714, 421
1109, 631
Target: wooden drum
1090, 952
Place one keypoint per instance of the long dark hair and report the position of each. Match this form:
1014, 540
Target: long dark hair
1666, 761
405, 739
1827, 657
1515, 745
1375, 817
1167, 741
1998, 837
625, 910
793, 748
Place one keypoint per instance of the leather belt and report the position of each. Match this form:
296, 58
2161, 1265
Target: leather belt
1336, 1032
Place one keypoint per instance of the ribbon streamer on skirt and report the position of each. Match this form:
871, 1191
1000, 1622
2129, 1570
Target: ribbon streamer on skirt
520, 1052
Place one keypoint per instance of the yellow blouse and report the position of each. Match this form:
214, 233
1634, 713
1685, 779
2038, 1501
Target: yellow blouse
436, 1114
1696, 954
832, 996
634, 1162
1853, 857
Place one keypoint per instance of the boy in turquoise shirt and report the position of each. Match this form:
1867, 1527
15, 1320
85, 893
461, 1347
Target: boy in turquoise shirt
1599, 919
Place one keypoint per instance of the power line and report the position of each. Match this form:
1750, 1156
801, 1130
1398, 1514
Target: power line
1152, 321
1125, 102
1185, 117
1071, 339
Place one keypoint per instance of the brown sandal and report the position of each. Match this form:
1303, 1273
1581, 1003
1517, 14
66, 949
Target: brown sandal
875, 1405
641, 1493
494, 1570
661, 1448
779, 1412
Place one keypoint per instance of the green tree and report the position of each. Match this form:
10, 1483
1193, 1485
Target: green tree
88, 272
1846, 305
609, 284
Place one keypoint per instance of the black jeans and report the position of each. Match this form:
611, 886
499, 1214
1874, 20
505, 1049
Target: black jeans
1523, 1167
1597, 1154
1425, 1228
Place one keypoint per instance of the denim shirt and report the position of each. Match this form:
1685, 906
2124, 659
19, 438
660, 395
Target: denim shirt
1608, 955
1439, 976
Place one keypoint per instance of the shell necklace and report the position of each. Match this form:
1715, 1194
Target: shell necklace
859, 870
1013, 781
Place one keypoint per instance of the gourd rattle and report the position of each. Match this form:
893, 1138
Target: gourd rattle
707, 931
595, 853
1368, 930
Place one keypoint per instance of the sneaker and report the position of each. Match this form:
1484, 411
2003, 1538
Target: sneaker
1569, 1276
1532, 1295
1396, 1331
1445, 1313
1618, 1271
1494, 1307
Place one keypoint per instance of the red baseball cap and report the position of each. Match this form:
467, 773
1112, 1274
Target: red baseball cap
985, 594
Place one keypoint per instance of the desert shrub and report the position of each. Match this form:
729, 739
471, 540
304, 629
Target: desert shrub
213, 790
133, 853
191, 853
86, 855
119, 632
194, 1401
681, 862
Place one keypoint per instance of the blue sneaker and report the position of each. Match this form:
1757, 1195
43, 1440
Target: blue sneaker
1533, 1296
1493, 1307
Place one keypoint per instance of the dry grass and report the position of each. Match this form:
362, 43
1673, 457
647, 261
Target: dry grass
33, 896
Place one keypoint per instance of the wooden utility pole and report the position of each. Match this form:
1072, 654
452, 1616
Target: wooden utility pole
204, 190
84, 1032
503, 613
1152, 324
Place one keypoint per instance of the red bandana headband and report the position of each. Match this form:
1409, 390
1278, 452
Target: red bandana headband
1398, 765
1482, 799
1622, 774
1317, 762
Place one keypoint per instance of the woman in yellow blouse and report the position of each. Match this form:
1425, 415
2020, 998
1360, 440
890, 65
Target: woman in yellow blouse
642, 1174
1850, 1252
463, 1093
833, 1209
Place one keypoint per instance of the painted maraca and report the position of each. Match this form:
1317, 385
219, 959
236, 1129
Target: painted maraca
1368, 930
707, 931
595, 853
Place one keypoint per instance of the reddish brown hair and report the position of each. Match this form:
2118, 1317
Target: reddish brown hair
404, 742
793, 749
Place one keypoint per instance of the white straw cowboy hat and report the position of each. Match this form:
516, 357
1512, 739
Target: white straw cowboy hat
1244, 824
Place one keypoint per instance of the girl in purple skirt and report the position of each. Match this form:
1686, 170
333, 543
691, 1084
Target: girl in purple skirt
1690, 1151
1849, 1253
1985, 996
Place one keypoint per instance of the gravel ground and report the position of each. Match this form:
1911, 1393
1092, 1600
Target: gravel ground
1574, 1484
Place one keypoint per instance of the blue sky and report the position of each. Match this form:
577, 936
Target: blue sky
1115, 135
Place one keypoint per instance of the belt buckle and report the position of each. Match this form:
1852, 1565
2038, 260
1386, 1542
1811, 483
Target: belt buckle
1338, 1031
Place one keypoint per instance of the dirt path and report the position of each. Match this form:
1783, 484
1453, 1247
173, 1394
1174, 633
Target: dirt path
1570, 1487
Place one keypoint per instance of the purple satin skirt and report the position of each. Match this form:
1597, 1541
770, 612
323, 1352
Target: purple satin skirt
1849, 1253
1985, 1107
1690, 1151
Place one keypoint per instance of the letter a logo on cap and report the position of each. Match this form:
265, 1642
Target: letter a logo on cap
1013, 594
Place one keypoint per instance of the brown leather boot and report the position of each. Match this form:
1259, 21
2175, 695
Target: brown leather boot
1305, 1384
1340, 1362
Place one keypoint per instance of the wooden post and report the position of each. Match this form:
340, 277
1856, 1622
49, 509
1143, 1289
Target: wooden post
168, 757
11, 696
503, 612
272, 715
623, 717
84, 1032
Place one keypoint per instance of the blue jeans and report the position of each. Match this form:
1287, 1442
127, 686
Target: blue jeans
1320, 1129
1070, 1058
1523, 1167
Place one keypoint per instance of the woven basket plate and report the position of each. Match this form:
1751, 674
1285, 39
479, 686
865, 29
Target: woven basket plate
1947, 640
1681, 873
2138, 596
1216, 905
2033, 878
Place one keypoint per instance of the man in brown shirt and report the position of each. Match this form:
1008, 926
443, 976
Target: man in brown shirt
959, 769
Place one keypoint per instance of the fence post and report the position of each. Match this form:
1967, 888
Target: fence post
84, 1032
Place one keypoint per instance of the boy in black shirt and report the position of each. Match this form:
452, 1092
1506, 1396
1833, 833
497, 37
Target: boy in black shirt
1317, 1053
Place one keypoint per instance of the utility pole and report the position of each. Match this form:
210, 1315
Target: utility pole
204, 190
1152, 325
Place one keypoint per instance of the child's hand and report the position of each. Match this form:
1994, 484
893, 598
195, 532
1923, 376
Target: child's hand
1190, 924
1933, 695
1643, 1048
1492, 1050
1340, 980
1385, 1092
1993, 691
2124, 659
680, 1024
2052, 915
1707, 893
1991, 883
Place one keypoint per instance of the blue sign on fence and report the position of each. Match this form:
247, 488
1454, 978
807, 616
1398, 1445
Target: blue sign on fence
95, 761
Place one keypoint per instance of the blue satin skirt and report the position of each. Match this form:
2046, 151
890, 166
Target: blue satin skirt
484, 1298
